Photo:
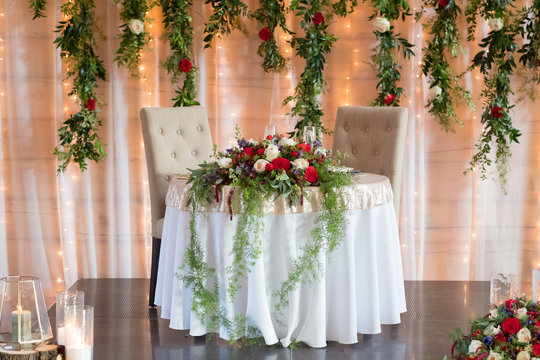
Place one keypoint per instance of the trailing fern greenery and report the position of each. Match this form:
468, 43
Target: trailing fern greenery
226, 16
38, 7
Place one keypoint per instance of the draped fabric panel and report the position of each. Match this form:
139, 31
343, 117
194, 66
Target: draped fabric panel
62, 227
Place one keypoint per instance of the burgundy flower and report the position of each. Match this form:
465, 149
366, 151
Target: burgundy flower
269, 167
511, 325
389, 98
281, 164
443, 3
311, 174
260, 151
184, 66
265, 34
497, 112
318, 18
91, 104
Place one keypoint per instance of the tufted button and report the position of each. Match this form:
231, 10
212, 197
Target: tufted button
199, 128
354, 151
166, 177
160, 130
346, 127
194, 153
376, 152
178, 132
389, 129
368, 130
173, 155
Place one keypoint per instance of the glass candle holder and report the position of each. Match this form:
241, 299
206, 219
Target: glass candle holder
536, 284
503, 287
63, 300
79, 331
310, 135
24, 322
269, 130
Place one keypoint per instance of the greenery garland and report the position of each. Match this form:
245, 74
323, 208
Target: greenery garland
496, 62
313, 48
79, 138
383, 58
445, 88
226, 16
530, 50
270, 16
134, 35
179, 32
38, 7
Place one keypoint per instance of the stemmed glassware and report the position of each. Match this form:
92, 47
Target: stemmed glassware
309, 135
269, 130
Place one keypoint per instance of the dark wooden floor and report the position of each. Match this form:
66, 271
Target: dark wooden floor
125, 328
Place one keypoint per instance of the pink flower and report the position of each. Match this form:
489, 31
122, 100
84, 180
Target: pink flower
389, 98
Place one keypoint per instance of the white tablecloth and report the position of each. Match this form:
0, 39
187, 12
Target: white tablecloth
361, 289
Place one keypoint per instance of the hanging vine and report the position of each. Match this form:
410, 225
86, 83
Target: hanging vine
179, 32
445, 87
383, 58
134, 35
313, 48
38, 7
530, 51
496, 63
271, 15
226, 16
79, 138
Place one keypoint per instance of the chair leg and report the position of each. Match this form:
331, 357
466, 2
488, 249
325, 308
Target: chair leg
156, 247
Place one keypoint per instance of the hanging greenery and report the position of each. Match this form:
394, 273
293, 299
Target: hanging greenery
496, 62
79, 138
383, 58
270, 16
445, 89
38, 7
226, 16
530, 56
179, 32
134, 35
313, 48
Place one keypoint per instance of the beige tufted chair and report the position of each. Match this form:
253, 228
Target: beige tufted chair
374, 138
175, 139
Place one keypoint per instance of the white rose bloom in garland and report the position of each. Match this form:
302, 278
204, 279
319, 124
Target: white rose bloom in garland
434, 92
381, 24
136, 26
495, 24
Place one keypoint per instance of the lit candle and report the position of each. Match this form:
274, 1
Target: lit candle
21, 325
79, 352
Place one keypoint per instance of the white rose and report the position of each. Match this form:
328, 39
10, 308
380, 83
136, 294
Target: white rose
224, 162
381, 24
495, 24
301, 163
494, 313
136, 26
492, 330
271, 152
475, 345
521, 313
286, 141
494, 356
260, 165
524, 335
434, 92
523, 355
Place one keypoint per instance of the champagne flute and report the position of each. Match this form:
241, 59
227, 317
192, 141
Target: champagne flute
269, 130
309, 135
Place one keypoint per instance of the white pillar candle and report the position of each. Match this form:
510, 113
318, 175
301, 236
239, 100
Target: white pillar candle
61, 335
21, 325
79, 352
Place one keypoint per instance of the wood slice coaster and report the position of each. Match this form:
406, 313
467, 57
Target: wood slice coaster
42, 352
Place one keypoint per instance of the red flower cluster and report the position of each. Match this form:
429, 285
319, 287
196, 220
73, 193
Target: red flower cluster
389, 98
91, 104
184, 66
311, 174
497, 112
281, 164
511, 325
318, 18
443, 3
265, 34
304, 147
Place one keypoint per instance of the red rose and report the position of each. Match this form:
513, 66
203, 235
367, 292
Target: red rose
269, 167
511, 325
443, 3
510, 303
184, 66
311, 174
318, 18
91, 104
269, 137
389, 98
497, 112
260, 152
281, 164
536, 349
249, 151
304, 147
265, 34
294, 153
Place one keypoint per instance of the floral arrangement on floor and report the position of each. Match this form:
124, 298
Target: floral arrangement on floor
258, 171
510, 331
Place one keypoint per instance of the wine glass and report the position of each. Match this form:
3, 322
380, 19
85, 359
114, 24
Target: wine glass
309, 135
269, 130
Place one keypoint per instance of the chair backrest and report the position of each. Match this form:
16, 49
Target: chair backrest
175, 139
374, 138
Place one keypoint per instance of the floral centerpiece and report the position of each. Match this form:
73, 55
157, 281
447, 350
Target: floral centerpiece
510, 331
259, 171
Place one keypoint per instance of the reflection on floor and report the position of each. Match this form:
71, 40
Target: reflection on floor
125, 328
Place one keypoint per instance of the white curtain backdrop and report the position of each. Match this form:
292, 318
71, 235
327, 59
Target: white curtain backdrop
97, 223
